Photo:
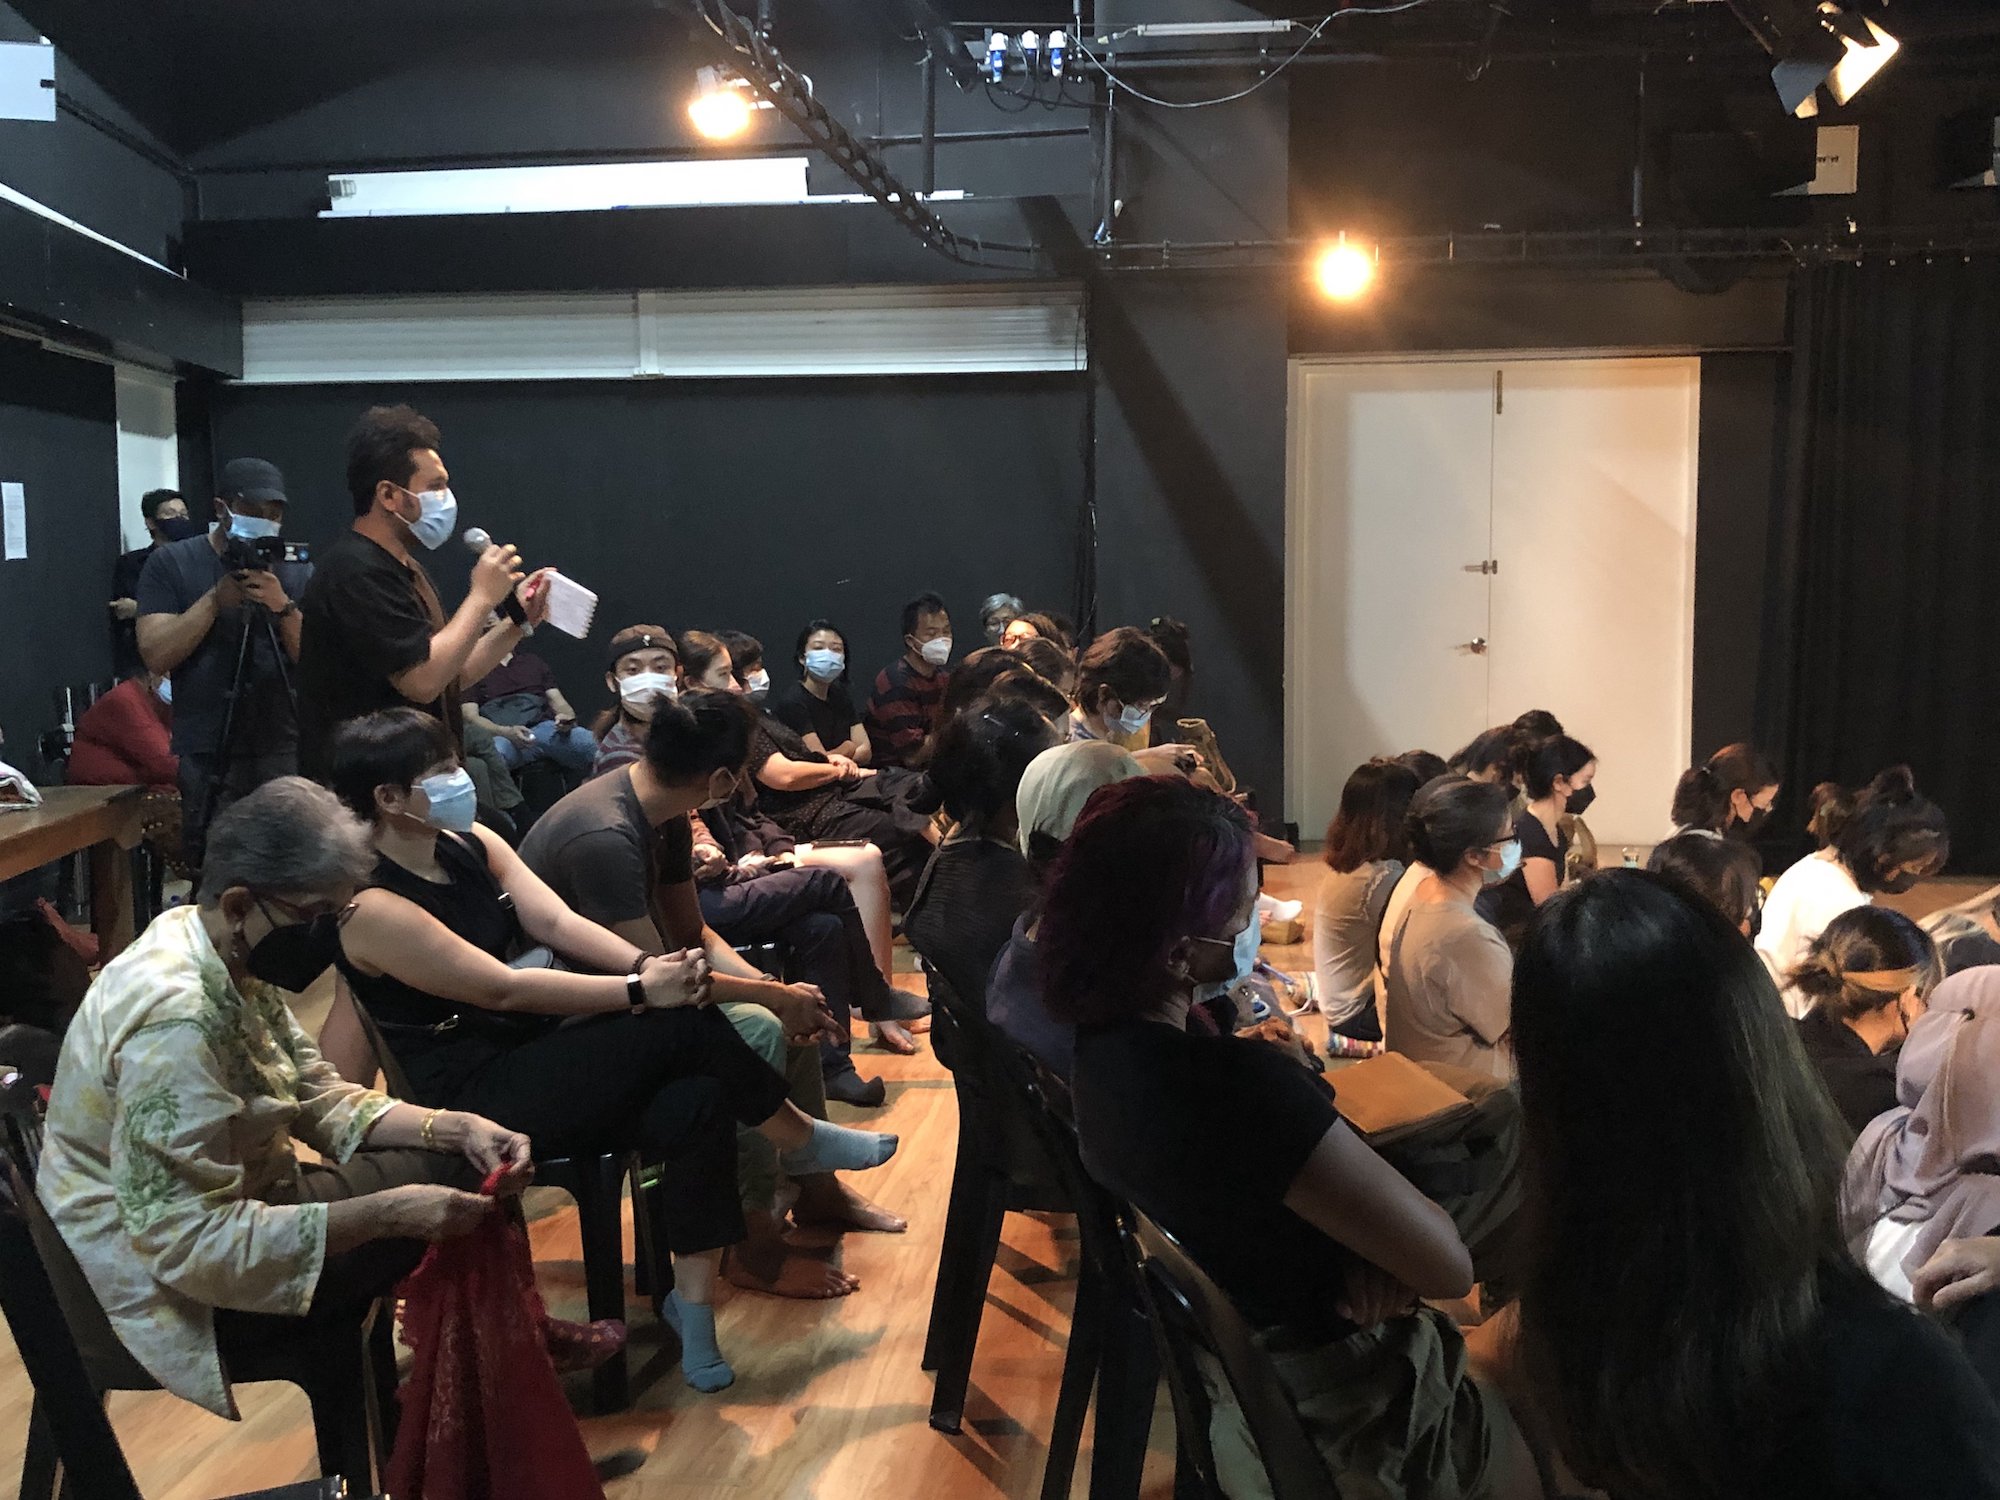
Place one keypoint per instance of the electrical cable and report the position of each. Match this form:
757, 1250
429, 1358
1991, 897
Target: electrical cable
1312, 36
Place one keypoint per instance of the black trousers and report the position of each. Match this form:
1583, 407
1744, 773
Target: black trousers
674, 1084
812, 913
351, 1280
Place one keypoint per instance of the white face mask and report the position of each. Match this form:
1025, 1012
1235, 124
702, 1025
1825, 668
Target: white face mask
936, 652
756, 684
642, 689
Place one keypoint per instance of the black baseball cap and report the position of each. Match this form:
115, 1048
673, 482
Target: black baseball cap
253, 479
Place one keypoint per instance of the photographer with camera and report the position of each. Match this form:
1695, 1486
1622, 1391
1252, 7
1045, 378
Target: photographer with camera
375, 634
219, 614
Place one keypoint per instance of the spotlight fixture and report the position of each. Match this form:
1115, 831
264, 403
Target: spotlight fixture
1345, 271
722, 104
1814, 43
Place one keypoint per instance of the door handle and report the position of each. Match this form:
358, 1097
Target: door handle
1477, 645
1489, 567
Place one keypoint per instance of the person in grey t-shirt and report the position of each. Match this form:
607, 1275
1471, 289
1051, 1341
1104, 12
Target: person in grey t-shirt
194, 607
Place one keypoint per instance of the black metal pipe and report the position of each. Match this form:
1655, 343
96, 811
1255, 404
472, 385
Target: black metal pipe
929, 140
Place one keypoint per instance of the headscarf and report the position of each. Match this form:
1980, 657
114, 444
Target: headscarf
1059, 781
1934, 1160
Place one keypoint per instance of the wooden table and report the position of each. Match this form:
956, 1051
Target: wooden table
106, 820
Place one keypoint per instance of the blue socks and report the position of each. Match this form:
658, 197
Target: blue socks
701, 1361
835, 1148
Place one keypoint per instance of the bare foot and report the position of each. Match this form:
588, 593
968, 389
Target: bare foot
829, 1201
765, 1263
890, 1036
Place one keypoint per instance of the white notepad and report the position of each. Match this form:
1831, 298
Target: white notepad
571, 606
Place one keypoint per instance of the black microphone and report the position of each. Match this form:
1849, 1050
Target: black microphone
476, 538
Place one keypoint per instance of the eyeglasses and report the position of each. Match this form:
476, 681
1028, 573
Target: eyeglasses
340, 914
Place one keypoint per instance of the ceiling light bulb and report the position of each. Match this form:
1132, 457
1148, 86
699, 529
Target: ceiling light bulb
1344, 272
1859, 64
719, 114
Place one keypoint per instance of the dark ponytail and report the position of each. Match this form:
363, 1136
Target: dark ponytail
1892, 827
1869, 940
1539, 764
1702, 798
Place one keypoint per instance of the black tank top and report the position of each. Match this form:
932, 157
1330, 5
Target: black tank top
441, 1044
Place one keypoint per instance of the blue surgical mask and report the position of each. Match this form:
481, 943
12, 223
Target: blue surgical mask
454, 800
824, 666
1510, 861
1248, 942
166, 691
253, 528
438, 517
1132, 720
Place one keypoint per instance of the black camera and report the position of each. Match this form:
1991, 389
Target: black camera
263, 553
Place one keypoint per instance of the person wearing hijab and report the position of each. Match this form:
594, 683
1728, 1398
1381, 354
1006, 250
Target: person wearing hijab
1922, 1174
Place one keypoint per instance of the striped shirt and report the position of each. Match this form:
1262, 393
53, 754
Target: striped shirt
903, 711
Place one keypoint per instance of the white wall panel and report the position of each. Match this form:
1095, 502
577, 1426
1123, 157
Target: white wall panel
582, 336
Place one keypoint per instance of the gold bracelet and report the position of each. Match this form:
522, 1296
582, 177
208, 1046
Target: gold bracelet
430, 1130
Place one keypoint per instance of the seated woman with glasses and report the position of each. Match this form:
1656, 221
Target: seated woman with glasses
168, 1162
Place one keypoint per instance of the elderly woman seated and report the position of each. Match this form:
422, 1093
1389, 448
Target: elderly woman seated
168, 1164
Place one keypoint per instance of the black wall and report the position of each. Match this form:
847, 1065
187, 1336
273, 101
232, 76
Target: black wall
753, 505
58, 437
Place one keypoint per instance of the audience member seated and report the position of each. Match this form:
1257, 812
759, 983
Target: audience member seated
1968, 934
530, 718
1723, 872
644, 668
619, 851
1447, 972
906, 707
826, 800
1731, 793
817, 707
979, 885
1490, 757
809, 911
1367, 847
991, 673
1176, 643
1053, 791
168, 1163
1556, 776
746, 660
1868, 977
1237, 1150
1053, 663
1882, 839
624, 1054
1684, 1163
1120, 680
125, 738
1922, 1173
997, 613
1035, 626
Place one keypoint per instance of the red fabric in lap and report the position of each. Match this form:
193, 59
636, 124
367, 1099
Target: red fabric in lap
483, 1416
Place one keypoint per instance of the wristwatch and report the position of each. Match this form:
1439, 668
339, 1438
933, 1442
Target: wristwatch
637, 992
291, 608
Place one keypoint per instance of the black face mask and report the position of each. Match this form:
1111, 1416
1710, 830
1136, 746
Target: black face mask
293, 957
1896, 885
1751, 826
1580, 800
180, 528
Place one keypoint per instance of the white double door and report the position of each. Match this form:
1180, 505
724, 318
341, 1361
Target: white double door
1469, 539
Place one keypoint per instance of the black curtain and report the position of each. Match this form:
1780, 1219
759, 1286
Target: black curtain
1883, 638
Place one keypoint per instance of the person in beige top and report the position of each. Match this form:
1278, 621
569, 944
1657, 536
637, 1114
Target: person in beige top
168, 1164
1448, 972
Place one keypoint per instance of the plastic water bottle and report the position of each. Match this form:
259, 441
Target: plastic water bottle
996, 56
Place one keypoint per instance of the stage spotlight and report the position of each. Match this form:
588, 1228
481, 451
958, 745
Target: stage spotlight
721, 106
1815, 42
1344, 272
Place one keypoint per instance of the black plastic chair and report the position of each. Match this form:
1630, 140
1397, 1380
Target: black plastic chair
1002, 1167
1190, 1312
73, 1358
597, 1185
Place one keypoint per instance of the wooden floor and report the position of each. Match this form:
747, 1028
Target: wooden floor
828, 1401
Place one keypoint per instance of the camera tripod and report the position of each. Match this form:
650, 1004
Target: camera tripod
252, 615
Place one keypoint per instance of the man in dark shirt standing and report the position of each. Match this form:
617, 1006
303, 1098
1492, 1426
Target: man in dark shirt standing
196, 599
160, 510
375, 634
903, 710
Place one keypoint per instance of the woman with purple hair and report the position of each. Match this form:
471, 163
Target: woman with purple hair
1235, 1149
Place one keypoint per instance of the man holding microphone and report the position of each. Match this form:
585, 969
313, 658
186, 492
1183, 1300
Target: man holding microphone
374, 634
